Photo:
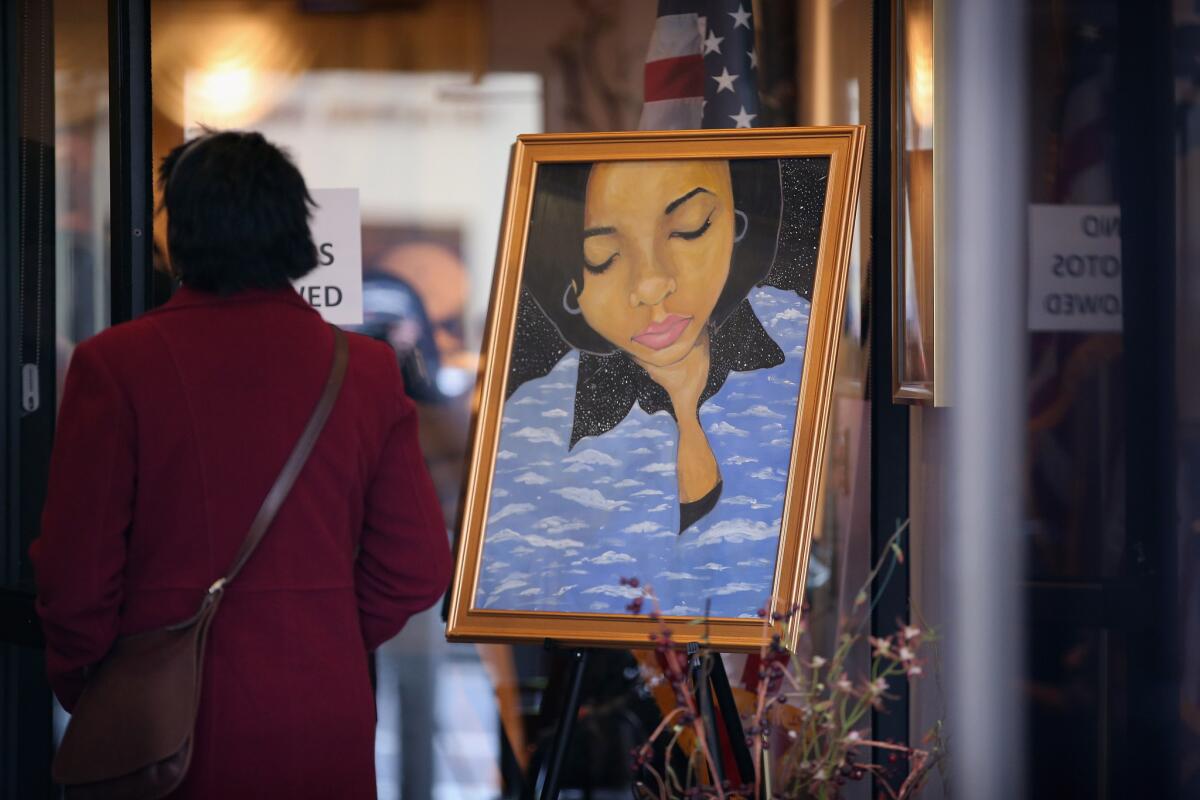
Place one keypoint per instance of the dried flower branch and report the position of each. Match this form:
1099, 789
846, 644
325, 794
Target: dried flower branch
813, 714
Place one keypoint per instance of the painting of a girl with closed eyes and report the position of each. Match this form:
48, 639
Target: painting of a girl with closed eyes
652, 386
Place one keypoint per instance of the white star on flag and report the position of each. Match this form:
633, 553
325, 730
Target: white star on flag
713, 43
740, 17
742, 119
724, 80
754, 59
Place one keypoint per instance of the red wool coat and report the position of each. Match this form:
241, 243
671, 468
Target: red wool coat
171, 431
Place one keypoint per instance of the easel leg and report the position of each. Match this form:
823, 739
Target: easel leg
702, 682
566, 726
731, 718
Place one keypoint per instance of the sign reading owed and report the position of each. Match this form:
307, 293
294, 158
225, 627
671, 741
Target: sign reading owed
335, 287
1074, 268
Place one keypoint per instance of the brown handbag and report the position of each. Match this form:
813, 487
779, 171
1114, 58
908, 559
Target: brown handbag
130, 737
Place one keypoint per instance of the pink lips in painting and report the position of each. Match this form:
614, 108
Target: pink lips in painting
664, 332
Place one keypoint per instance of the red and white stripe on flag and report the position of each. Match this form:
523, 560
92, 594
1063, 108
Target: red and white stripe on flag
674, 76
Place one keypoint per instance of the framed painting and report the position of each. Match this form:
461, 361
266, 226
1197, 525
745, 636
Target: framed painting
914, 249
658, 373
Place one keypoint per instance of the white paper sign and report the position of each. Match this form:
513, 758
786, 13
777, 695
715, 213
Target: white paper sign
335, 287
1074, 268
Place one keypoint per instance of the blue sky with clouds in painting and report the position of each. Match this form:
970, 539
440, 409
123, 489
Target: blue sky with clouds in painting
564, 526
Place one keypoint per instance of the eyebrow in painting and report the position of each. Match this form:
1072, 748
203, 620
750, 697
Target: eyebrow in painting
599, 232
678, 201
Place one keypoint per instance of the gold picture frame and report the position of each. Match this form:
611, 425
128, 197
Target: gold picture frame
915, 285
472, 614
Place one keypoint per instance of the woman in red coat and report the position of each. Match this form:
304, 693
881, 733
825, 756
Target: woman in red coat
172, 429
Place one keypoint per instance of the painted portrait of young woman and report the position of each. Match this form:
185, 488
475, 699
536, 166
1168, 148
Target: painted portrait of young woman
652, 389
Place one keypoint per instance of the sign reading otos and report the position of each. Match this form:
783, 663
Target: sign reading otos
335, 287
1074, 268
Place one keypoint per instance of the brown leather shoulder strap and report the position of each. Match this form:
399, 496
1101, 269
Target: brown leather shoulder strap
291, 469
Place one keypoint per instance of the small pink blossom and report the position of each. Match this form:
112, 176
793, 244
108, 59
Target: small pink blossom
911, 632
906, 654
818, 662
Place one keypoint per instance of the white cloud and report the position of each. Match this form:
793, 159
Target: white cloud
555, 544
754, 562
780, 442
591, 498
529, 592
578, 468
759, 410
641, 451
495, 565
614, 590
499, 492
558, 524
505, 455
509, 584
575, 572
766, 474
660, 507
531, 479
662, 468
739, 500
569, 362
598, 606
509, 421
611, 557
564, 589
529, 401
647, 493
681, 610
771, 426
592, 457
556, 385
554, 413
602, 480
509, 510
741, 460
790, 313
626, 484
737, 531
714, 567
523, 550
711, 408
736, 588
677, 576
724, 428
539, 435
647, 433
780, 381
643, 527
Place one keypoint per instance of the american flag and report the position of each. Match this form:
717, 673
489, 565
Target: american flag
701, 67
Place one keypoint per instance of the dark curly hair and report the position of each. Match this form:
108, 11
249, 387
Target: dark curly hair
554, 248
237, 214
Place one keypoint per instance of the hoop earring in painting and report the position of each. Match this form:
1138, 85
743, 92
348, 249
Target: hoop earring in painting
741, 215
576, 310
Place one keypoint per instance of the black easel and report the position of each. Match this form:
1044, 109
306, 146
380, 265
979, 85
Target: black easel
714, 683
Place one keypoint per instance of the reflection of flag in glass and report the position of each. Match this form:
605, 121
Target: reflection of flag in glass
701, 66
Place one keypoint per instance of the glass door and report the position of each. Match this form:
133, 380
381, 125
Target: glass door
67, 127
